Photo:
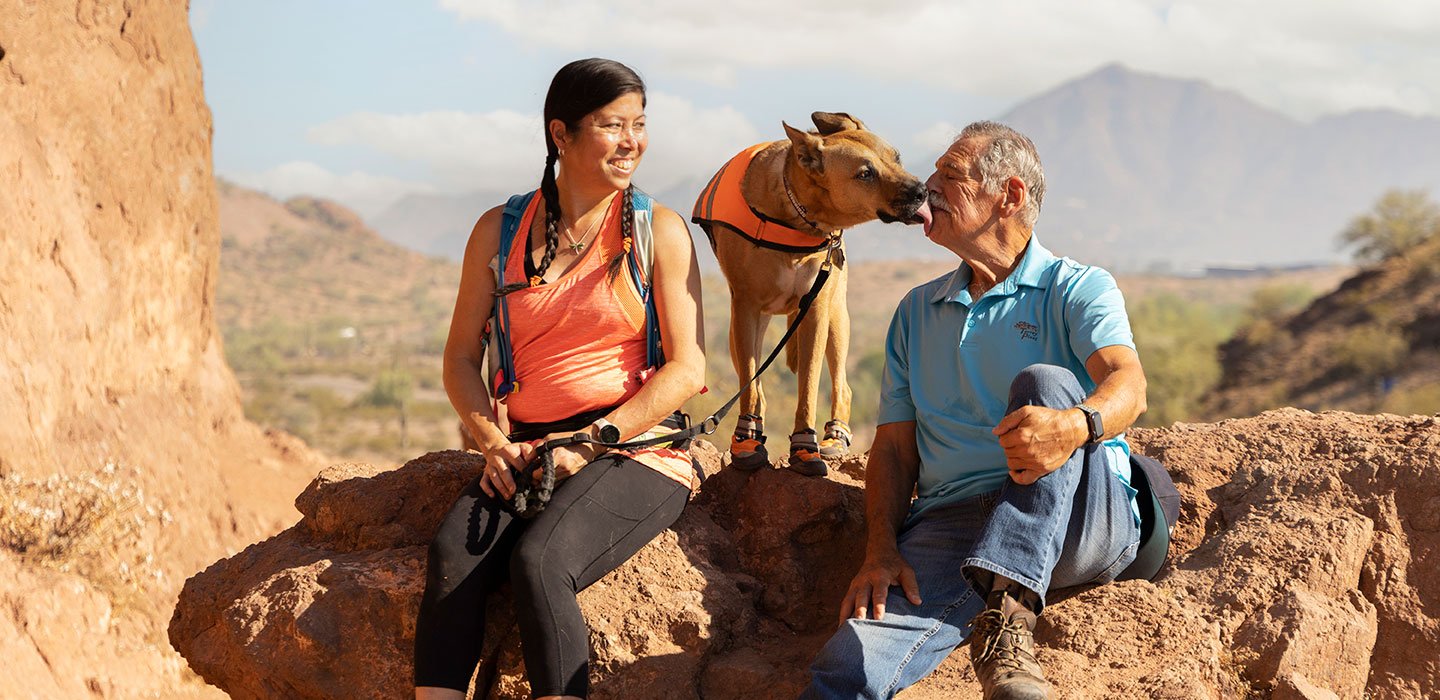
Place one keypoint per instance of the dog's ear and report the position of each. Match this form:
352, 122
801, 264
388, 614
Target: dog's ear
831, 122
806, 147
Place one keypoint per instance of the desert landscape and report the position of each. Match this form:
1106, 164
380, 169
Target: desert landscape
225, 447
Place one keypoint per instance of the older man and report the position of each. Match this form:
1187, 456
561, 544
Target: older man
1008, 384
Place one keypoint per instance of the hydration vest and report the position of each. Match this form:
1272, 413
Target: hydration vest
641, 259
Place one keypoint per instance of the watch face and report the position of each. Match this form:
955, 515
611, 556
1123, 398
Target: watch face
609, 433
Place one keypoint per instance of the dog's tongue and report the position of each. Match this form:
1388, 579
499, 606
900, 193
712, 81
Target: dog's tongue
925, 216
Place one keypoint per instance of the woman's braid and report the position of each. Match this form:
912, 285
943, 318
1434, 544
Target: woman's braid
551, 195
627, 223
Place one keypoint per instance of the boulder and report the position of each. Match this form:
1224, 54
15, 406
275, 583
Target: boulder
1297, 570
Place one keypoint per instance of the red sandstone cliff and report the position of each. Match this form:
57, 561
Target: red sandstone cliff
113, 387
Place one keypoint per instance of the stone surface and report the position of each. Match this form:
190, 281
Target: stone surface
1296, 571
110, 359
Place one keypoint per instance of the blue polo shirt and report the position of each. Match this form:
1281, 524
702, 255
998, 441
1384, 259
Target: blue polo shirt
949, 361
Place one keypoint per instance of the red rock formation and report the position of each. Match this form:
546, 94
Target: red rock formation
1300, 568
109, 354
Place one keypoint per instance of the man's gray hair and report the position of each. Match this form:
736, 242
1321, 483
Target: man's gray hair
1009, 154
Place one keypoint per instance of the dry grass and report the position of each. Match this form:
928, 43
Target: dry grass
93, 525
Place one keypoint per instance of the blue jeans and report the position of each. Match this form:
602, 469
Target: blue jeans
1072, 526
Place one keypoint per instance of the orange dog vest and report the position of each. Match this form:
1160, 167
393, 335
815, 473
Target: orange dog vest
722, 204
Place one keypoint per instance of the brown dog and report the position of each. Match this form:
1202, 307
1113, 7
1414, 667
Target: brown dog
773, 215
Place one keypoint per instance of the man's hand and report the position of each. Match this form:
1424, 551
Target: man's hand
871, 585
1037, 440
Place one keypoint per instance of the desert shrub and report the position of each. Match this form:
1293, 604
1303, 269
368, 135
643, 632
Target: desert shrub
1399, 221
1177, 341
1371, 350
94, 525
61, 516
1273, 301
391, 387
1424, 400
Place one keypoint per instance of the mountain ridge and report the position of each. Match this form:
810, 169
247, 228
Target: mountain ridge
1143, 171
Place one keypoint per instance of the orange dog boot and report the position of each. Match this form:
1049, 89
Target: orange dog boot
805, 454
747, 445
837, 439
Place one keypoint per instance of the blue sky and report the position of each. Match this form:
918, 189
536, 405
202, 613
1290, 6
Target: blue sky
364, 101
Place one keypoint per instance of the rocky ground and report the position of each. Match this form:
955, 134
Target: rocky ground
1298, 571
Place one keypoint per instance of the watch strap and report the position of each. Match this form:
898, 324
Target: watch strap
1094, 426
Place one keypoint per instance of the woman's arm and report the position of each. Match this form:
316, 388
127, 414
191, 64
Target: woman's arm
465, 381
677, 302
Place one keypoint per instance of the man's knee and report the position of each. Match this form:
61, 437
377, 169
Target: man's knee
1051, 386
838, 671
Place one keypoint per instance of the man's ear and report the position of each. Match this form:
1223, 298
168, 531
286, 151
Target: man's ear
831, 122
807, 148
1015, 195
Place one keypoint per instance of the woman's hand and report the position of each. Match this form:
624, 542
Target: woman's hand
498, 481
571, 458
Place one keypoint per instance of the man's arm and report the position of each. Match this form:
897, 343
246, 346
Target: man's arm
1037, 440
890, 477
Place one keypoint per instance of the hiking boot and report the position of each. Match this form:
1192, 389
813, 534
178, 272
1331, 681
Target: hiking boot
1002, 649
747, 445
805, 454
837, 439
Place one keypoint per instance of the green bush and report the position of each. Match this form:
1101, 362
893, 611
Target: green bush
1400, 220
1371, 350
1177, 341
392, 387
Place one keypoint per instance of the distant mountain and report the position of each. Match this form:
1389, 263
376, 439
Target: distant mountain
1142, 169
310, 261
435, 224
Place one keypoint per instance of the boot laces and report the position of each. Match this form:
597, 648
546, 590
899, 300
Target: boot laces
992, 627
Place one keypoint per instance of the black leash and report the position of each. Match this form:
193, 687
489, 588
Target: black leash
530, 498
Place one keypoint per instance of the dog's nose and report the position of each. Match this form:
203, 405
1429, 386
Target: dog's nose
916, 192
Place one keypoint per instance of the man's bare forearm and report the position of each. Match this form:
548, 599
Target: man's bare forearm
890, 477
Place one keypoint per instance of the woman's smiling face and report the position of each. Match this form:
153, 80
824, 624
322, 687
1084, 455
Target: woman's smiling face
607, 143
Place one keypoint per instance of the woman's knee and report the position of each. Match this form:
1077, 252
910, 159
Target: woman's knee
532, 565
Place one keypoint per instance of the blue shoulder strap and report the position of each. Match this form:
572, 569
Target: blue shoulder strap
509, 227
642, 266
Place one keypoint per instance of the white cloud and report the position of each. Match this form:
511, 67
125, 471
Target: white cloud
504, 150
690, 142
1303, 57
937, 137
465, 150
365, 193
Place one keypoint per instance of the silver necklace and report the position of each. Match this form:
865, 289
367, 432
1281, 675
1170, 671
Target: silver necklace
575, 245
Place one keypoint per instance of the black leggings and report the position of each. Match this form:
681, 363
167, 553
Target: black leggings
596, 520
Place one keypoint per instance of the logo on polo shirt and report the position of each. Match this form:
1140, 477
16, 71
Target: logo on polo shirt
1028, 331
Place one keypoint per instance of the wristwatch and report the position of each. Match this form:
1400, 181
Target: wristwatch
1093, 423
605, 431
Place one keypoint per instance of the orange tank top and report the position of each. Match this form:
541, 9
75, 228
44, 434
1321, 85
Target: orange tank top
579, 342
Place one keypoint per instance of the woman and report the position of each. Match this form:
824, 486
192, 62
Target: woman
578, 338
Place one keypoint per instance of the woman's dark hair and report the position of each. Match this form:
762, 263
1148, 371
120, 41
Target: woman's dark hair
577, 89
